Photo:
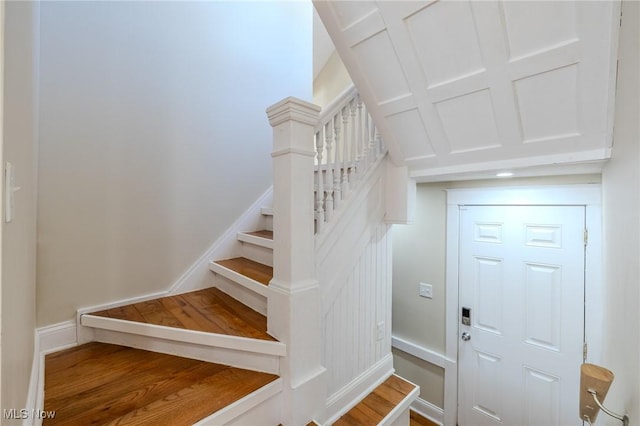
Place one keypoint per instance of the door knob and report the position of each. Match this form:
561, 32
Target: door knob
466, 337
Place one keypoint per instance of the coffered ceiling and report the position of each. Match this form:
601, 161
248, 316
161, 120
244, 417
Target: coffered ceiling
459, 87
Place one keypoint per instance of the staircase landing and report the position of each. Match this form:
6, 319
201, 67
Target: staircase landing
209, 310
99, 383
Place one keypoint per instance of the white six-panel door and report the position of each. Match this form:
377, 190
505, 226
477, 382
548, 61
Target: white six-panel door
521, 274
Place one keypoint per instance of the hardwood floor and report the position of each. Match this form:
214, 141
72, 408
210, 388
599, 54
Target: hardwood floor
254, 270
375, 406
99, 383
416, 419
209, 310
262, 234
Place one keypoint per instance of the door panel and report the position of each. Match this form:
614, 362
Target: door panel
521, 274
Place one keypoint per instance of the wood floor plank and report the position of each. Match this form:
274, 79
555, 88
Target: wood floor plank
399, 384
416, 419
190, 317
209, 310
262, 234
154, 313
253, 318
98, 405
254, 270
230, 315
128, 311
378, 404
233, 325
134, 387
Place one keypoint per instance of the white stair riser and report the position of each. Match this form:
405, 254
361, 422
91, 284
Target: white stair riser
256, 240
257, 254
235, 358
267, 218
255, 301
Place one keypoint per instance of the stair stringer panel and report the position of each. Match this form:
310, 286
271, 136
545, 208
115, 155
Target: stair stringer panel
353, 265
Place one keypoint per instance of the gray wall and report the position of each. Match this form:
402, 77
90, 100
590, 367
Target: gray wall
19, 236
419, 256
154, 136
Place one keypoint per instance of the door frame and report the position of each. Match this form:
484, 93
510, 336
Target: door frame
587, 195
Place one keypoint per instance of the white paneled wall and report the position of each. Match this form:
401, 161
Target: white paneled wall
352, 343
470, 85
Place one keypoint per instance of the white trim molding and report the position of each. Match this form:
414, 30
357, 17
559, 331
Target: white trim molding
588, 195
449, 365
428, 410
349, 396
423, 353
47, 339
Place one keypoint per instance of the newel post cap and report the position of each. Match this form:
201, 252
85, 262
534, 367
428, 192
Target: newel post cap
293, 109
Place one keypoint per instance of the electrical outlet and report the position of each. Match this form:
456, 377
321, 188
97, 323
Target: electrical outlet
380, 331
426, 290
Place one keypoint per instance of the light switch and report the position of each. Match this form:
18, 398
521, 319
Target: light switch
426, 290
9, 176
9, 190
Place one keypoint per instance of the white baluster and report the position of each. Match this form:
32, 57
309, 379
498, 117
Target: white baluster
372, 144
337, 193
328, 211
320, 179
378, 145
365, 142
354, 143
344, 181
359, 138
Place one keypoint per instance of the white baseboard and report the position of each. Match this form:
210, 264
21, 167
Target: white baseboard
47, 339
34, 381
56, 337
351, 394
428, 410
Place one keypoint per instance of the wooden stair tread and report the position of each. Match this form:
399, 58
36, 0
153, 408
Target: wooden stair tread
209, 310
99, 383
254, 270
378, 404
262, 234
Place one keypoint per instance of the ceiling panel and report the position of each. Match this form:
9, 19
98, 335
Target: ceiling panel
445, 41
548, 104
376, 54
469, 122
465, 85
349, 12
534, 27
408, 127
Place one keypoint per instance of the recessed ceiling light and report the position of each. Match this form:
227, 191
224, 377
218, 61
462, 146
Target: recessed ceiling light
504, 174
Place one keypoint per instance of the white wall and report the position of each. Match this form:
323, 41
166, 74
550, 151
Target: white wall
621, 203
19, 236
154, 136
331, 81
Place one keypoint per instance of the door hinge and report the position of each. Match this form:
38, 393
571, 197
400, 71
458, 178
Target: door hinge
584, 351
586, 237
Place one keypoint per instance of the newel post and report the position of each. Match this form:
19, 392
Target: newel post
294, 302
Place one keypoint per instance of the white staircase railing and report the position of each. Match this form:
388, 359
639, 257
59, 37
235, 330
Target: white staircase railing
347, 143
318, 161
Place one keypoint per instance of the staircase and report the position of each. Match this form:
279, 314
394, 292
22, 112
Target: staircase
238, 359
273, 341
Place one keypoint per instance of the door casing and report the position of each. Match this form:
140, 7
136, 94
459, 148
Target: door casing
588, 195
